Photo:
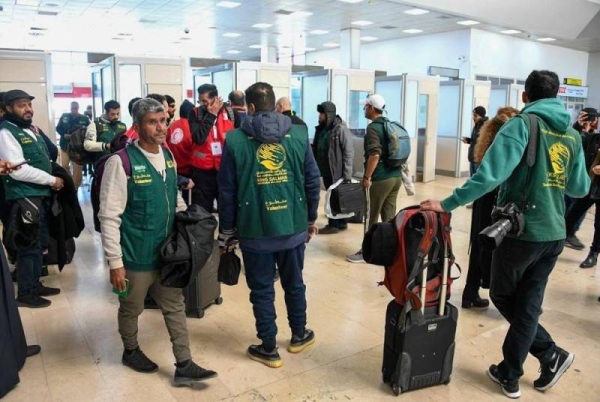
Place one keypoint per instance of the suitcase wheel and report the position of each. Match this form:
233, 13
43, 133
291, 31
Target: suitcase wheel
396, 389
447, 381
219, 301
199, 313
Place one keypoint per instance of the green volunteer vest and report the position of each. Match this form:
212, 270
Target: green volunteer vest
68, 124
270, 194
556, 155
381, 171
37, 153
149, 216
105, 132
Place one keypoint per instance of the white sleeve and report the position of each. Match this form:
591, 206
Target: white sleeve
10, 150
90, 144
113, 200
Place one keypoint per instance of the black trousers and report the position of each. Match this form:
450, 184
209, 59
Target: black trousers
206, 188
576, 211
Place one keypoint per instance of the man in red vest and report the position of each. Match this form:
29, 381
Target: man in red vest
208, 124
179, 141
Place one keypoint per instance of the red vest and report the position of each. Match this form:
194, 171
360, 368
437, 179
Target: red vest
208, 155
179, 141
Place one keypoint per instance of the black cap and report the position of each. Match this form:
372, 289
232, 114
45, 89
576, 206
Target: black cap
480, 110
326, 107
15, 94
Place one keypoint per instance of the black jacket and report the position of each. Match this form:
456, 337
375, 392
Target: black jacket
201, 122
295, 119
189, 248
65, 220
474, 136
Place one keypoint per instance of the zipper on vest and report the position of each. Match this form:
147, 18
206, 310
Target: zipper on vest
168, 206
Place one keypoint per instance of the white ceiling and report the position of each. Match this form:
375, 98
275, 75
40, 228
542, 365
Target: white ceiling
156, 27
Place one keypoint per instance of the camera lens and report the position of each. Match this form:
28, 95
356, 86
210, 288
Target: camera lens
492, 236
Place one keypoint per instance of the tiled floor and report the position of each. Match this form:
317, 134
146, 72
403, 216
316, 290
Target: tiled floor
81, 349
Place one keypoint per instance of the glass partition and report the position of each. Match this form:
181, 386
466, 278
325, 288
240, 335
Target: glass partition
314, 92
223, 80
339, 96
411, 113
468, 106
422, 130
107, 84
357, 122
199, 80
130, 86
448, 111
297, 94
497, 100
392, 93
97, 93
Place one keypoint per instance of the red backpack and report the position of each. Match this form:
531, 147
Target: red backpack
413, 241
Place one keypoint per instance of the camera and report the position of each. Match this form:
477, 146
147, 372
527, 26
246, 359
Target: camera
186, 30
507, 220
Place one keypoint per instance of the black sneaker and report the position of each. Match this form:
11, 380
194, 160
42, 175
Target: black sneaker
33, 350
298, 344
327, 230
554, 369
32, 301
574, 243
138, 361
191, 373
269, 359
42, 290
509, 388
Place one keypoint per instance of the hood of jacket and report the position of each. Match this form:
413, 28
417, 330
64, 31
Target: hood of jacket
185, 109
552, 111
267, 127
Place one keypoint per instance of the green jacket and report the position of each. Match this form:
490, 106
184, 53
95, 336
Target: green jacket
67, 124
559, 169
271, 197
375, 144
149, 217
37, 153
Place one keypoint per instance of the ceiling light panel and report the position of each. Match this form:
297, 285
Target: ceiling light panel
233, 52
309, 49
368, 38
231, 35
256, 46
228, 4
319, 32
29, 3
468, 22
510, 32
350, 1
331, 44
361, 23
546, 39
301, 14
412, 31
416, 11
262, 26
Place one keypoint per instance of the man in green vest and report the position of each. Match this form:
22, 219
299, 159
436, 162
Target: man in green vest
382, 182
522, 263
137, 215
30, 187
269, 191
103, 130
68, 123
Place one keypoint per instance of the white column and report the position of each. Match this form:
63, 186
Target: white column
268, 54
350, 48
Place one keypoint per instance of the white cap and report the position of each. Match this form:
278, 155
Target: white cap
374, 100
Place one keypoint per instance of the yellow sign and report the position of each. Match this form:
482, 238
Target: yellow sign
574, 81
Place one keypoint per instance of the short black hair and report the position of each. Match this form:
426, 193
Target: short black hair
111, 105
542, 84
131, 103
261, 95
157, 97
2, 105
210, 88
237, 98
169, 99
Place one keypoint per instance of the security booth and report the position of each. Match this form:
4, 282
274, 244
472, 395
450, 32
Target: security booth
412, 100
506, 95
457, 100
125, 78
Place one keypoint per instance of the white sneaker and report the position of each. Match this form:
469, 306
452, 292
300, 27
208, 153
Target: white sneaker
356, 257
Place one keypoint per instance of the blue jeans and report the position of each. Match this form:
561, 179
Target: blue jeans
29, 260
260, 274
569, 202
520, 272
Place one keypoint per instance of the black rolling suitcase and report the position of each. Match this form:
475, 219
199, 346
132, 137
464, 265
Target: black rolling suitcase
205, 289
418, 350
347, 198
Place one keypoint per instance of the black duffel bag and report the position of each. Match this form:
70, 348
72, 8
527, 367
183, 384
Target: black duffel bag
347, 198
380, 244
230, 267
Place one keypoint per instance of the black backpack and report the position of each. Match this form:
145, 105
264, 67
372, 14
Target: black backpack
75, 148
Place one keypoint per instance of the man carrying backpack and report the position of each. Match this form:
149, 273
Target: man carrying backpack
138, 203
334, 154
103, 130
69, 123
381, 181
523, 262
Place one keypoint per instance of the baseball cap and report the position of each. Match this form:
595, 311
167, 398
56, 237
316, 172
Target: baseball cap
15, 94
374, 100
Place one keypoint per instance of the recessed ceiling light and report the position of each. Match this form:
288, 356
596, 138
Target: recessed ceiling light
510, 32
262, 26
351, 1
256, 46
234, 52
231, 34
416, 11
546, 39
51, 5
368, 38
412, 31
331, 44
361, 23
309, 49
31, 3
468, 22
301, 14
319, 32
228, 4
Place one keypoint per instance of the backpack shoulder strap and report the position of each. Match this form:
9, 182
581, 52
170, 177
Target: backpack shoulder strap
534, 134
125, 161
231, 114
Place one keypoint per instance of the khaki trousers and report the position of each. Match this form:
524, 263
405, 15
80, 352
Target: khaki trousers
65, 162
383, 199
170, 301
